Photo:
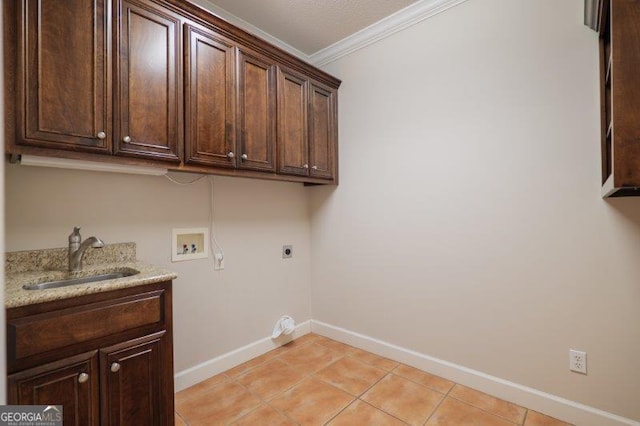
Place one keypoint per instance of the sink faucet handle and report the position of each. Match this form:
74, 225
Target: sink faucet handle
75, 236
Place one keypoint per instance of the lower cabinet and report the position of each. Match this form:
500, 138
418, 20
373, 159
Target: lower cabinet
122, 378
130, 382
71, 382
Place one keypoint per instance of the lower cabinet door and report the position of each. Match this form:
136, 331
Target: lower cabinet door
133, 392
71, 382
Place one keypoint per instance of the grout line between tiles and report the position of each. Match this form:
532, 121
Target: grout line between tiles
380, 409
181, 418
526, 414
488, 412
340, 412
441, 401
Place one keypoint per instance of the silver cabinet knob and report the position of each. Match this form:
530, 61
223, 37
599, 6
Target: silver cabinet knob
230, 154
126, 139
101, 135
83, 377
314, 167
244, 156
115, 367
305, 166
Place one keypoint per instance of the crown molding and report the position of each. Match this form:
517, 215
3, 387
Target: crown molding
400, 20
250, 28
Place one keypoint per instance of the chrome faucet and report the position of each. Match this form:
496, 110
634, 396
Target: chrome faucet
78, 249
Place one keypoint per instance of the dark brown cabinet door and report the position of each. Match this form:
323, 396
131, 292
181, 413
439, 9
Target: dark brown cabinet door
71, 382
63, 75
132, 383
148, 81
293, 148
322, 131
256, 112
210, 99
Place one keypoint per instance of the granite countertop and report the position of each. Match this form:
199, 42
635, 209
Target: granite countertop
36, 266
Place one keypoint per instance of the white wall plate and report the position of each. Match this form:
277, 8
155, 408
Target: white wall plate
189, 244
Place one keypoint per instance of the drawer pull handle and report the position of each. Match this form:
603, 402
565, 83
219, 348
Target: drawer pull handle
244, 156
305, 166
126, 139
230, 155
83, 377
115, 367
314, 168
101, 135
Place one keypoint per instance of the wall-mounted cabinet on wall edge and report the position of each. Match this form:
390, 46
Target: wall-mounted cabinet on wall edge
618, 25
162, 83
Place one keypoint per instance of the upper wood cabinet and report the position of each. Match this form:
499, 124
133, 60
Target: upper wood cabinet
618, 24
293, 138
210, 104
323, 131
307, 129
163, 83
63, 87
256, 112
148, 81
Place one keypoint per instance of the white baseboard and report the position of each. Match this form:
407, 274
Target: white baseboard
555, 406
210, 368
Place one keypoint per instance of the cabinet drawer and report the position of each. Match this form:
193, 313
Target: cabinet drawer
41, 333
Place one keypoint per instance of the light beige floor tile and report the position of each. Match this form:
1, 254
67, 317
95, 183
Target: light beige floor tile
424, 378
373, 359
312, 402
252, 363
301, 341
264, 415
309, 358
454, 413
219, 405
200, 388
537, 419
404, 399
361, 413
338, 347
493, 405
270, 378
351, 375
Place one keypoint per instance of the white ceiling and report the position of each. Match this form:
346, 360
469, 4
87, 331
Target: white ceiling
309, 25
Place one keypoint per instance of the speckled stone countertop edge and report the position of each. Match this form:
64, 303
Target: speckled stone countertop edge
16, 296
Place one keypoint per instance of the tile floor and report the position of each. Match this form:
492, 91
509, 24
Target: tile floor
316, 381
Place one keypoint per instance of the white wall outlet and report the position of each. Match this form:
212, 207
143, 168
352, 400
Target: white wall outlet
578, 361
218, 262
287, 251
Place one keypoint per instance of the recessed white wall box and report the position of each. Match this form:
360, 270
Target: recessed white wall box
189, 244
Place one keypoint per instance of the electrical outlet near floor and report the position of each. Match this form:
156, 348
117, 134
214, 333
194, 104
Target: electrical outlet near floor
578, 361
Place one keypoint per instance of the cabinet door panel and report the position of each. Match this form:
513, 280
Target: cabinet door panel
61, 383
132, 375
63, 71
210, 107
322, 131
293, 154
148, 82
256, 112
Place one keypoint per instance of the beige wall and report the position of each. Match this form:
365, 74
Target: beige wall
468, 223
214, 312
